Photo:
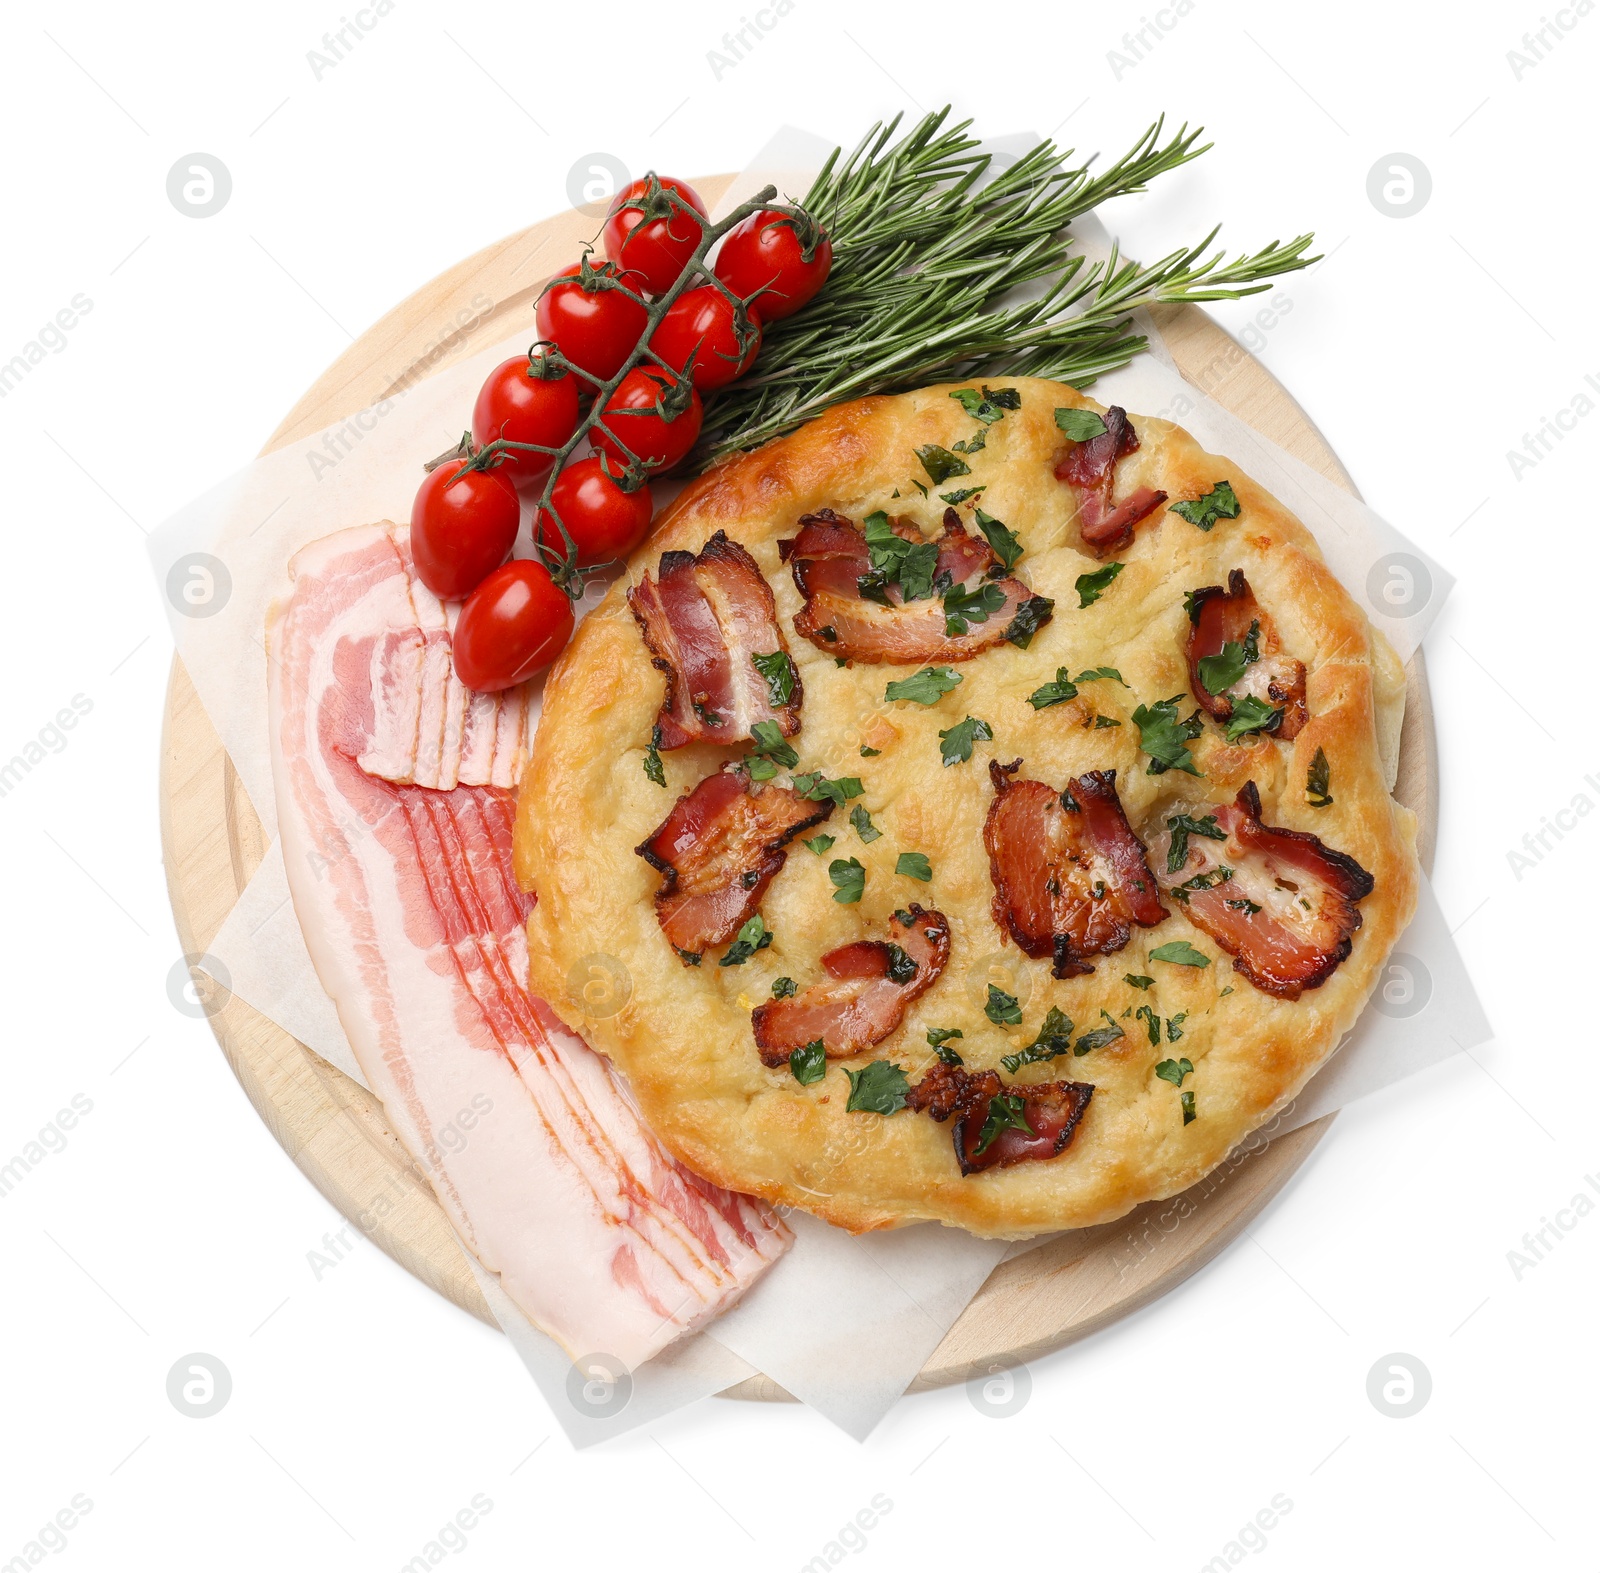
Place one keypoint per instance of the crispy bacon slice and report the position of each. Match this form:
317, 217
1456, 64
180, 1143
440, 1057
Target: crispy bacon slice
868, 995
1280, 902
829, 558
1219, 616
705, 619
1051, 1108
1070, 876
1092, 467
718, 851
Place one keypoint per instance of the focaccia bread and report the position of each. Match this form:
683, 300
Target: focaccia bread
1164, 868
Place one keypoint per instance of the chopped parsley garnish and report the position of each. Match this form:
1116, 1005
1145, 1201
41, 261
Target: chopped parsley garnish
901, 969
1030, 617
864, 826
1056, 693
1091, 586
1207, 881
1174, 1071
1175, 1026
1181, 954
818, 844
919, 486
1088, 1042
778, 669
816, 786
1152, 1022
1221, 671
1080, 425
1182, 827
925, 687
1002, 1008
1245, 905
1187, 1100
690, 958
1203, 512
940, 463
754, 936
652, 764
878, 1088
869, 753
768, 751
1318, 779
939, 1040
1007, 1112
1165, 738
955, 745
895, 560
988, 406
784, 988
1103, 721
1252, 715
1055, 1037
914, 865
1137, 980
708, 715
1093, 674
963, 607
973, 444
849, 878
1005, 543
962, 494
809, 1063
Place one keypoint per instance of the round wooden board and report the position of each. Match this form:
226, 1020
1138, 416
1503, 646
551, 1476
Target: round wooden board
336, 1131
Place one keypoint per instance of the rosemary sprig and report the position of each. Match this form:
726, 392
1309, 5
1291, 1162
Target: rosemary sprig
929, 246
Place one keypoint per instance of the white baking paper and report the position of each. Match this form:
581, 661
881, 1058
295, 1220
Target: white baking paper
842, 1322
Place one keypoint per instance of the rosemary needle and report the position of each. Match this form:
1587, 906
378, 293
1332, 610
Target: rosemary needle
929, 245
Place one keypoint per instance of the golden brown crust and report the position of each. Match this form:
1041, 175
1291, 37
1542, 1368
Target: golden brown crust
684, 1037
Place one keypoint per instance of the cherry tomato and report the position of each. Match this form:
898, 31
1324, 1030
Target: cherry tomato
513, 625
701, 322
596, 329
462, 527
604, 521
648, 435
651, 237
766, 253
519, 404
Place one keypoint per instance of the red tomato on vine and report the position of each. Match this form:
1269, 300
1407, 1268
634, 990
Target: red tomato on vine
604, 521
513, 625
648, 234
526, 400
652, 417
786, 259
590, 320
724, 338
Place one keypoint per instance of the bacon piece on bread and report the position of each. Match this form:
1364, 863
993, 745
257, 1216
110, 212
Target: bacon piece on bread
1092, 467
1051, 1111
1280, 902
717, 852
871, 983
705, 619
1070, 876
1219, 617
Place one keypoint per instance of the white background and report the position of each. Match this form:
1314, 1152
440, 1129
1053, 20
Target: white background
366, 1410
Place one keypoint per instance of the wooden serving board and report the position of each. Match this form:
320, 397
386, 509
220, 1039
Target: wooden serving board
336, 1131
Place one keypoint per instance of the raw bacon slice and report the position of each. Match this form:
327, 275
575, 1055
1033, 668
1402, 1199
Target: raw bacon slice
1280, 902
1092, 467
829, 558
1052, 1110
718, 850
1220, 616
874, 982
1070, 876
705, 619
415, 923
429, 729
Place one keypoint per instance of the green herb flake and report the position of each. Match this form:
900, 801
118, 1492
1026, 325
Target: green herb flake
878, 1088
1182, 827
963, 607
955, 745
962, 494
914, 865
1030, 617
1088, 1042
1221, 671
940, 463
1091, 586
864, 826
1181, 954
1318, 778
653, 767
1055, 1038
817, 787
1005, 543
869, 753
1002, 1008
1187, 1100
1056, 693
754, 936
1204, 511
1152, 1023
767, 742
1104, 721
849, 879
784, 988
926, 687
1174, 1071
778, 670
1080, 425
818, 844
809, 1064
939, 1041
1095, 674
1175, 1026
690, 958
1252, 715
984, 406
1007, 1112
1165, 738
1245, 905
1137, 980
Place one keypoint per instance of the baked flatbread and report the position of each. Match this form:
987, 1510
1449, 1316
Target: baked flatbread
1055, 882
